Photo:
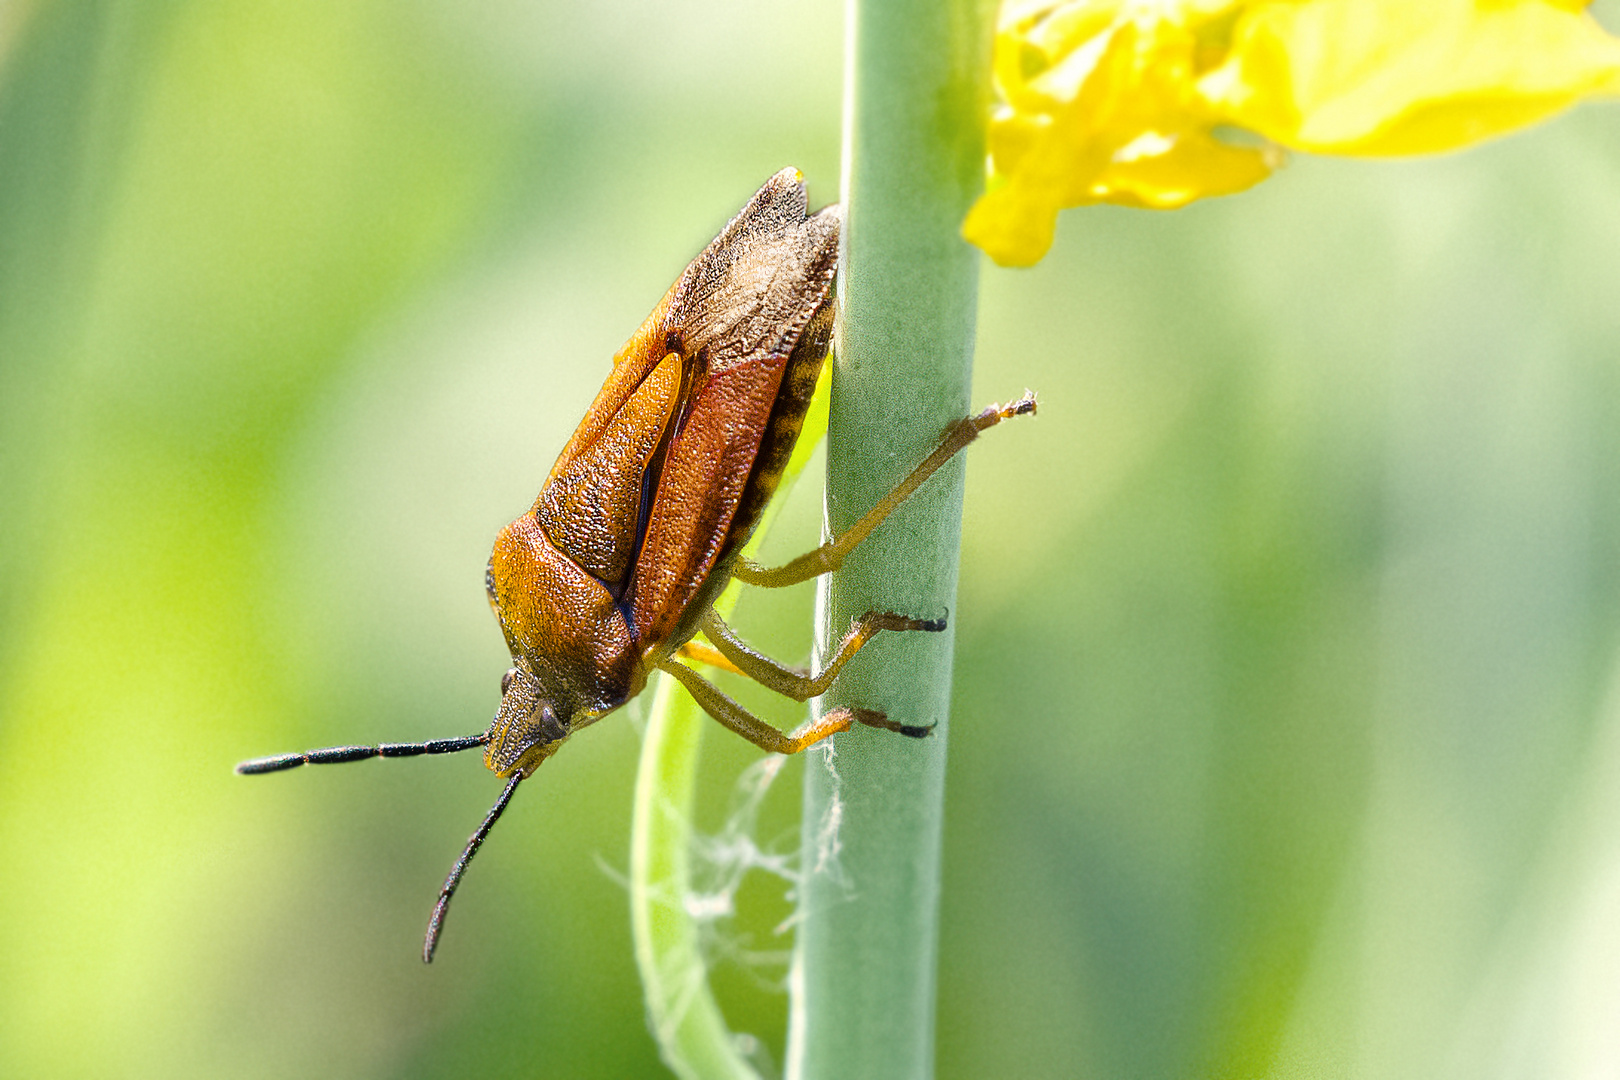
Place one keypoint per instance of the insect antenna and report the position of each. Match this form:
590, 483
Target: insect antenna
474, 842
332, 755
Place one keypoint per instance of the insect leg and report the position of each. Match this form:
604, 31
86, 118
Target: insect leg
830, 556
333, 755
796, 683
707, 654
763, 735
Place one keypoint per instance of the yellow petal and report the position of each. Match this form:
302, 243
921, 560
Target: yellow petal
1099, 107
1121, 100
1194, 166
1381, 77
1013, 227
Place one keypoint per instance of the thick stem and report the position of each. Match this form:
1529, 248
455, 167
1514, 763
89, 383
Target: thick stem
864, 959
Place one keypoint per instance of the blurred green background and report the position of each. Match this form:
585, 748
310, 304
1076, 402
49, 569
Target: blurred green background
1287, 729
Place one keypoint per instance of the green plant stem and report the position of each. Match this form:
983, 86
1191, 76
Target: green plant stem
691, 1033
864, 959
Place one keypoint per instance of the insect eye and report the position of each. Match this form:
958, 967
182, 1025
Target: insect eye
506, 680
489, 580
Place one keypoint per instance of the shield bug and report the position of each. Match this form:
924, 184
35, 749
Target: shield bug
615, 568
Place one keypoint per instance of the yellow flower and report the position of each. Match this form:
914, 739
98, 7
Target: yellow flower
1156, 103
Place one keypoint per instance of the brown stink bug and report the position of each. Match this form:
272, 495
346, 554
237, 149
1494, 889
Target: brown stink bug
639, 526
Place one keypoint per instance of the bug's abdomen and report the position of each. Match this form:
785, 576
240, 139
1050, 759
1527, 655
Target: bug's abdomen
787, 420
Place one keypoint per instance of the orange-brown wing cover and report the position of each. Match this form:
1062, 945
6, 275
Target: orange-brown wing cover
736, 314
591, 509
695, 416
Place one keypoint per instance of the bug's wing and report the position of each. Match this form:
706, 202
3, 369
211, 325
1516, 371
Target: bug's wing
738, 313
756, 285
632, 364
695, 309
591, 507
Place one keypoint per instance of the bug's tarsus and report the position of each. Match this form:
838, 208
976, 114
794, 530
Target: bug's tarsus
995, 414
474, 842
873, 718
892, 621
333, 755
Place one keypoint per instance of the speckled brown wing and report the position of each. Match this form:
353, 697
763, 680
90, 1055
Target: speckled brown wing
591, 509
739, 315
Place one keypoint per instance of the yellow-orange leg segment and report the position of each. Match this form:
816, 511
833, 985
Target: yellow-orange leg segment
707, 654
830, 556
796, 683
763, 735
